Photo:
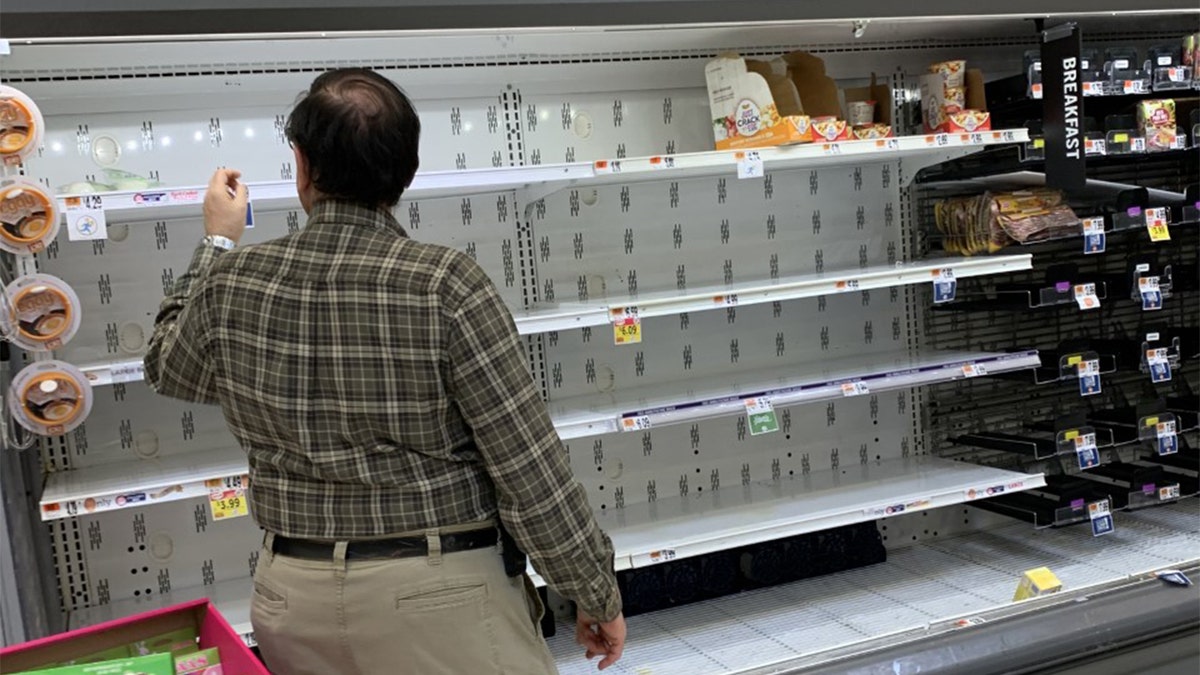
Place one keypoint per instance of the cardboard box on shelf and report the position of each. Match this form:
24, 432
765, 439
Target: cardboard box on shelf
199, 616
881, 94
934, 105
778, 102
753, 105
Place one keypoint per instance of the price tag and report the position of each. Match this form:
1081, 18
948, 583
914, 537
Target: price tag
1151, 294
1168, 492
1159, 365
749, 164
1037, 91
1101, 516
1135, 86
227, 504
974, 370
1009, 136
1093, 88
857, 388
1166, 437
608, 166
727, 300
1095, 147
85, 218
761, 416
1089, 377
128, 372
1038, 143
1086, 451
1156, 223
833, 149
976, 139
1137, 144
667, 162
1177, 74
627, 326
1179, 142
944, 285
941, 140
846, 286
639, 423
1085, 296
1094, 238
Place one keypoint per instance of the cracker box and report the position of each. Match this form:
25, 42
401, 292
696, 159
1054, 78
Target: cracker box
754, 104
1036, 583
155, 664
1156, 119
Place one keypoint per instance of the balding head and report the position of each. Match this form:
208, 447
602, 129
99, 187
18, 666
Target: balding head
359, 135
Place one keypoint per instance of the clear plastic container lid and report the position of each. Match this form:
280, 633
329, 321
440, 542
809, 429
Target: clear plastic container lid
21, 126
28, 216
50, 398
41, 313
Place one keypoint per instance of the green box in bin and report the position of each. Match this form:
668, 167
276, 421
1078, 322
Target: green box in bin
155, 664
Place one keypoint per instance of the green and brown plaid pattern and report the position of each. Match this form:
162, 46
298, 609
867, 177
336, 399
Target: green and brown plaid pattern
379, 386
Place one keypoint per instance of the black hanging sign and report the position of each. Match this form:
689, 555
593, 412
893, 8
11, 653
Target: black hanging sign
1062, 106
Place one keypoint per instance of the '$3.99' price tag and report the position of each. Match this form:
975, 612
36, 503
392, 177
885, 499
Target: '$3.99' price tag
226, 504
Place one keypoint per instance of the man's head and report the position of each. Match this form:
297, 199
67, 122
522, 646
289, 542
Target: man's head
355, 135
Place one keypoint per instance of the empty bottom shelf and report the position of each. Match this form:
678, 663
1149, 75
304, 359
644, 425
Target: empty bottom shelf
937, 579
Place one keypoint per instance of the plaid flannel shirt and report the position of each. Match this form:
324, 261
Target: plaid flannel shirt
379, 386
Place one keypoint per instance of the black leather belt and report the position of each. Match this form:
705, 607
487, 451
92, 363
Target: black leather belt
402, 547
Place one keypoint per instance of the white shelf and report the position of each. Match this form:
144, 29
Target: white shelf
720, 396
159, 203
698, 299
649, 534
110, 487
567, 316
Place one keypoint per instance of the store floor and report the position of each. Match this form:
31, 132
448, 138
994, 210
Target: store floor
935, 580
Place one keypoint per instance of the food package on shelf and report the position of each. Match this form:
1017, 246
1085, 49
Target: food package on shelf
988, 222
874, 100
21, 126
953, 100
1156, 120
753, 104
28, 216
158, 664
50, 398
42, 312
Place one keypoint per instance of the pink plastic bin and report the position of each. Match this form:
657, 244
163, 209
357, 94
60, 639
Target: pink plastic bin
214, 630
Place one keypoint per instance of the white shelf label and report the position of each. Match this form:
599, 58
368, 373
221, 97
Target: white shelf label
892, 144
1085, 296
1151, 293
727, 300
1159, 365
1095, 147
85, 218
663, 555
1094, 238
846, 286
1093, 88
1101, 516
667, 162
760, 416
1089, 377
749, 164
1137, 144
127, 372
945, 285
832, 149
1086, 451
857, 388
639, 423
1135, 86
974, 370
1168, 492
1165, 428
607, 166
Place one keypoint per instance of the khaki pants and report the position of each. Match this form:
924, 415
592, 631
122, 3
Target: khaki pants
454, 613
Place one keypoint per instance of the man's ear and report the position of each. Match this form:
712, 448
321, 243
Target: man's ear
303, 177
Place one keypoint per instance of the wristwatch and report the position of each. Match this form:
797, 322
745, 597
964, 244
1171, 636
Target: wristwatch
223, 243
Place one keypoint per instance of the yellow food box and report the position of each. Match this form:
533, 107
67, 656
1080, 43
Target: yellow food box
1036, 583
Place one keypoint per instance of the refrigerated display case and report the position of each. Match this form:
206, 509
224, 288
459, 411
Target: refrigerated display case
802, 377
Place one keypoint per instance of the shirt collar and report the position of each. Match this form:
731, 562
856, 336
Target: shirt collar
338, 212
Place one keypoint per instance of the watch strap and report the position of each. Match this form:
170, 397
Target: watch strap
223, 243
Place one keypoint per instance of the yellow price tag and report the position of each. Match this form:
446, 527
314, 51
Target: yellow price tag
1120, 138
1071, 435
1151, 421
1159, 233
226, 504
1039, 143
628, 331
1073, 360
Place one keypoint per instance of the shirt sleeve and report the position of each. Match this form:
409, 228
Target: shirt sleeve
539, 500
179, 362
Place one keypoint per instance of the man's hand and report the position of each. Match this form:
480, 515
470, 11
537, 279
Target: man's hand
225, 205
601, 639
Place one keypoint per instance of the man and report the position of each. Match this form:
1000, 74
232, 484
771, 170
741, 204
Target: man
380, 390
